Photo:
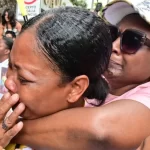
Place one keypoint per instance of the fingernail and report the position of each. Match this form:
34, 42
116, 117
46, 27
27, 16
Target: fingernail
15, 97
20, 124
6, 95
21, 106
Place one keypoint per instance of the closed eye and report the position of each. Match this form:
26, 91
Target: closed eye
23, 81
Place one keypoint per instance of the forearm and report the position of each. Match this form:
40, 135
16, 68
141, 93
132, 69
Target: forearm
67, 130
90, 128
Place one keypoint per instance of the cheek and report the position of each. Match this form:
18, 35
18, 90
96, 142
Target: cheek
43, 101
138, 67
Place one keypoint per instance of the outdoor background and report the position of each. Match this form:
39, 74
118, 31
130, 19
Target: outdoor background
46, 4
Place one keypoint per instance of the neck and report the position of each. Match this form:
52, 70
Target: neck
3, 58
119, 90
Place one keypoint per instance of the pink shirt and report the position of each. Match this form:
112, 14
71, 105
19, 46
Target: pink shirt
141, 94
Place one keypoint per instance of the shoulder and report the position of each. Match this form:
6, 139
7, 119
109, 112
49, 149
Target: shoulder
18, 24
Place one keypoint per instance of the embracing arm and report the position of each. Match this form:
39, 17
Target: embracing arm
119, 125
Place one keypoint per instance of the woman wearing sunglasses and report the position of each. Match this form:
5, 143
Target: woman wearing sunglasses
124, 120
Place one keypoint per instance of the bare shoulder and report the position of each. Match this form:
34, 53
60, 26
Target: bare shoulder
18, 26
18, 23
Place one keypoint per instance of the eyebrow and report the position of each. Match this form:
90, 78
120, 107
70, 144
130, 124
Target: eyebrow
15, 65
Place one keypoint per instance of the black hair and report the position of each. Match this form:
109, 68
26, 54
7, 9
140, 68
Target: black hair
78, 42
11, 17
10, 32
8, 42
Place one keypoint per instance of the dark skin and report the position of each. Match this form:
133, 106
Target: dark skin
133, 69
119, 125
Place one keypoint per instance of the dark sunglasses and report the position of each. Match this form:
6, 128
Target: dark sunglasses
130, 40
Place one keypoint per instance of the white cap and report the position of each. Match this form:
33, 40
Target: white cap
116, 10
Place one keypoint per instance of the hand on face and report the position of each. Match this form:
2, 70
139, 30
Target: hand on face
8, 126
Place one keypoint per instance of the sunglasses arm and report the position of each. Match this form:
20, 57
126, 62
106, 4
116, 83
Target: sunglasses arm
147, 42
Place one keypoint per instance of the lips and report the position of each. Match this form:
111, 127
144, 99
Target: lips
115, 65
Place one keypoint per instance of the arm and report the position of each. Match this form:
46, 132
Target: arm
1, 31
18, 26
119, 125
145, 144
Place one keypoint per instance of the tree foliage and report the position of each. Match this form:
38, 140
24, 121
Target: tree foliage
80, 3
7, 4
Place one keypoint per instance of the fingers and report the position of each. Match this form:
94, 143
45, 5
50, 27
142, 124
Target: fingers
11, 120
6, 103
1, 148
8, 125
10, 134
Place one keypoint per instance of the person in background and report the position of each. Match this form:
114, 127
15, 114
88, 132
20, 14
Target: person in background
10, 34
1, 28
9, 22
55, 64
123, 122
5, 48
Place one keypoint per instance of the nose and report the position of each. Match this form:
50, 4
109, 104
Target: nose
116, 47
10, 82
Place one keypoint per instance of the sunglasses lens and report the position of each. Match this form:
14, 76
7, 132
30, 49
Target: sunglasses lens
131, 41
113, 32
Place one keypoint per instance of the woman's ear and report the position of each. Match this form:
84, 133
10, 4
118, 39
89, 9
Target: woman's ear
79, 86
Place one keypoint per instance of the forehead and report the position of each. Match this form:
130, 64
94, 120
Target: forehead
26, 53
25, 43
134, 22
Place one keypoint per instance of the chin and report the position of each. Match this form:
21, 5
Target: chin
26, 115
113, 72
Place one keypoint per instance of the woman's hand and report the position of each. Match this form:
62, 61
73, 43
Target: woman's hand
8, 126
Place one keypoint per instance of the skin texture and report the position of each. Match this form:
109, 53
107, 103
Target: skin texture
117, 125
145, 144
26, 70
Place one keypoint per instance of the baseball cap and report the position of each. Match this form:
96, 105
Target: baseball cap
116, 10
